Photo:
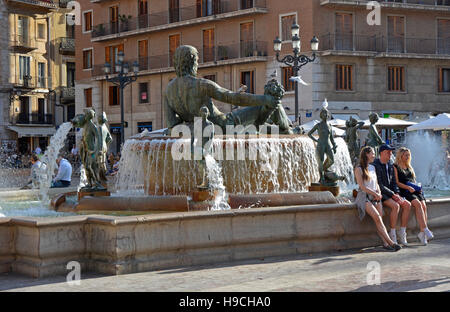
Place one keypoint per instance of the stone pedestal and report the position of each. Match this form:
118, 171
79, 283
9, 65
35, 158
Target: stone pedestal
203, 194
81, 194
315, 187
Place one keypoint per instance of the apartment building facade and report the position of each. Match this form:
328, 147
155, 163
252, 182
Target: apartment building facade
38, 68
235, 43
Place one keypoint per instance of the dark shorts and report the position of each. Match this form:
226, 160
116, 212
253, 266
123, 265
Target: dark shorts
411, 196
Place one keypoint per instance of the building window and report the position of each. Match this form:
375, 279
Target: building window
174, 43
443, 29
396, 78
396, 34
286, 73
87, 16
344, 77
114, 95
88, 97
344, 31
112, 54
247, 78
444, 79
114, 19
286, 25
208, 45
246, 4
210, 77
174, 11
143, 54
144, 125
143, 92
87, 59
41, 75
41, 31
246, 39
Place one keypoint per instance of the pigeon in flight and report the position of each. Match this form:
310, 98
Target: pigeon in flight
299, 80
274, 74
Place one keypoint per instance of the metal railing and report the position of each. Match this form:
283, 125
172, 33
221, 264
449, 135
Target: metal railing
67, 94
422, 2
34, 119
128, 23
66, 45
21, 41
45, 4
220, 52
29, 82
376, 43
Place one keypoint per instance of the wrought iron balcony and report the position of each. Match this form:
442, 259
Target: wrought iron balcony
66, 45
413, 4
22, 44
376, 43
190, 13
240, 52
34, 119
29, 82
67, 94
38, 5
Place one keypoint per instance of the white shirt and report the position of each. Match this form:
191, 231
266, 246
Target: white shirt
64, 171
371, 183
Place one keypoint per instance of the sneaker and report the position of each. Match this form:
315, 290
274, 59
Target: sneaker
397, 247
402, 238
423, 239
393, 236
428, 233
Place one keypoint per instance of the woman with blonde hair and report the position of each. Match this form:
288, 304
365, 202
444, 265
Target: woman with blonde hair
406, 181
369, 196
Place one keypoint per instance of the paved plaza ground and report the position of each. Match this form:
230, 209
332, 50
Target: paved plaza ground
416, 268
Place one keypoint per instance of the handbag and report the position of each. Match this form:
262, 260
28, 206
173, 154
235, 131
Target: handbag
416, 187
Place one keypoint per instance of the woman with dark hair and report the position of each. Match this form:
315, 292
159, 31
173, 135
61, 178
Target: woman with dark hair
406, 181
369, 196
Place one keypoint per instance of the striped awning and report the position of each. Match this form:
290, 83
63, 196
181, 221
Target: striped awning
33, 131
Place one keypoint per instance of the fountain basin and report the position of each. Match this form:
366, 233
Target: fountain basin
42, 247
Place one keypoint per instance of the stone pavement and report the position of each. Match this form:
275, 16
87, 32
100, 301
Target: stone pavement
415, 268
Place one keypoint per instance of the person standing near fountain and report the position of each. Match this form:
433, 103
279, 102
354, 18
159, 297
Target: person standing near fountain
369, 196
374, 138
406, 180
390, 192
186, 94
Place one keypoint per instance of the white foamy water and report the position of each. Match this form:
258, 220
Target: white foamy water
215, 179
245, 166
49, 159
428, 159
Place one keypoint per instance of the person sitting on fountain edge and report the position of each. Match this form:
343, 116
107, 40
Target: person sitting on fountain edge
390, 193
64, 175
406, 180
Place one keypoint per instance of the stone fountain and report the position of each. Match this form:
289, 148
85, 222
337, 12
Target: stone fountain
199, 176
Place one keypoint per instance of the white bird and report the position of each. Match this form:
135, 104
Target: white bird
299, 80
242, 88
325, 103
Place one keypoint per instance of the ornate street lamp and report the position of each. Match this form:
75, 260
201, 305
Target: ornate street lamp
296, 61
122, 79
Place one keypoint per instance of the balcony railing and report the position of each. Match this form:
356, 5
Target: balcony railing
222, 52
34, 119
364, 2
375, 43
21, 43
126, 24
67, 94
41, 5
30, 82
67, 45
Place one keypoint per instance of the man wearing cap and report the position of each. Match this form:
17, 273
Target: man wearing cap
390, 193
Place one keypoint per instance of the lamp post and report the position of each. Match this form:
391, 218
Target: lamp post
297, 60
121, 80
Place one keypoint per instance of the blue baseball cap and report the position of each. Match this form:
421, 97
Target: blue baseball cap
385, 147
